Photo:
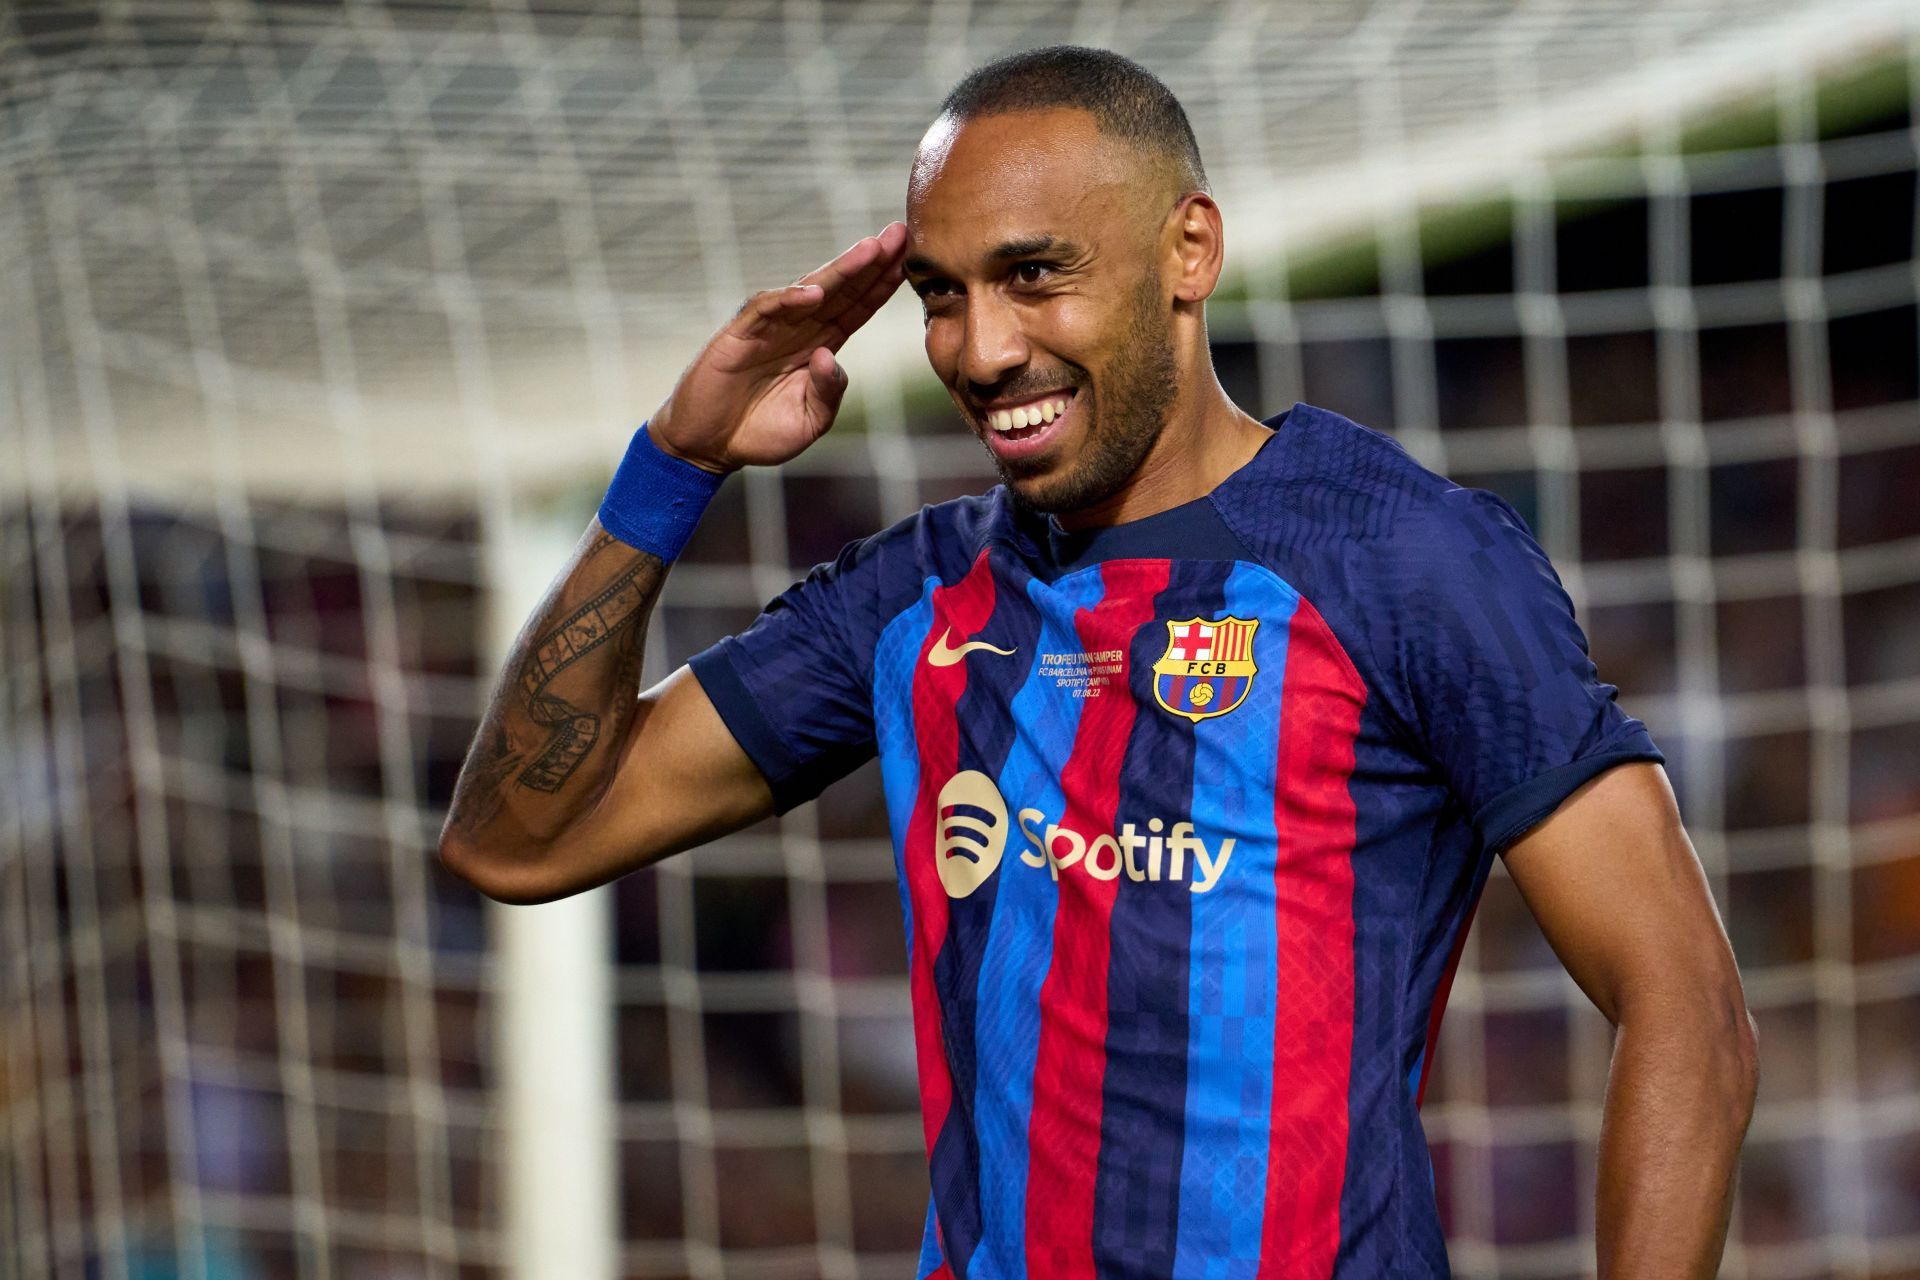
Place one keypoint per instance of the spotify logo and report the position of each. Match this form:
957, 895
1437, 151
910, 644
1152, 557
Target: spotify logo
973, 832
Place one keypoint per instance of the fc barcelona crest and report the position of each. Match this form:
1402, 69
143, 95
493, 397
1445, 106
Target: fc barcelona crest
1207, 668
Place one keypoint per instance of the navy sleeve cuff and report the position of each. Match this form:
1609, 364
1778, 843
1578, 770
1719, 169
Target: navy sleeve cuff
792, 780
1512, 814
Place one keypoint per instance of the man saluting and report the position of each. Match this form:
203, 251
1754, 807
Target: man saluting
1199, 735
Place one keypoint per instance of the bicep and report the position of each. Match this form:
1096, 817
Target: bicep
682, 780
1620, 895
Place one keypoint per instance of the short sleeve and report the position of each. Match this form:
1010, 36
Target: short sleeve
1504, 697
793, 688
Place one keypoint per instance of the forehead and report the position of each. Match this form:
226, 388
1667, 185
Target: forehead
1016, 176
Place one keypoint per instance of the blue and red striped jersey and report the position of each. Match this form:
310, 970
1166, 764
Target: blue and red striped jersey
1190, 815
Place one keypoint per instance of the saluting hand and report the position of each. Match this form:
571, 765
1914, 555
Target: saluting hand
767, 385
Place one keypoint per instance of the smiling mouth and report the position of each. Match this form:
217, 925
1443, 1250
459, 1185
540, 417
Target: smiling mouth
1029, 419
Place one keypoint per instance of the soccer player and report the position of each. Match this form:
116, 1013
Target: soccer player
1199, 735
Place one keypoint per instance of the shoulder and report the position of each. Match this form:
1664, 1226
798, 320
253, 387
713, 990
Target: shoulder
874, 577
940, 536
1413, 574
1337, 491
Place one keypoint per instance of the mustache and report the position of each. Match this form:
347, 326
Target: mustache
974, 393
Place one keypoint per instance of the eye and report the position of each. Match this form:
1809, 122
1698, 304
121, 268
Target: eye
933, 287
1032, 272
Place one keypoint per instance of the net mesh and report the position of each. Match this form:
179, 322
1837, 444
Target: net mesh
305, 300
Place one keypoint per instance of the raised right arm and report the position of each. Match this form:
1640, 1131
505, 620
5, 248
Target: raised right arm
575, 776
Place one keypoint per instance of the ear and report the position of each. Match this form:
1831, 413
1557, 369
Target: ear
1196, 247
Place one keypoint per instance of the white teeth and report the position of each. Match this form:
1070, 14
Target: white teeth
1027, 415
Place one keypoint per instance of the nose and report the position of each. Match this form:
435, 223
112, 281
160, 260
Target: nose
993, 345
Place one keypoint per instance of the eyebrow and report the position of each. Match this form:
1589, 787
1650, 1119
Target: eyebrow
1007, 250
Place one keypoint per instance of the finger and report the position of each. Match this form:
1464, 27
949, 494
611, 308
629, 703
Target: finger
851, 272
854, 291
857, 257
770, 307
788, 320
848, 322
826, 384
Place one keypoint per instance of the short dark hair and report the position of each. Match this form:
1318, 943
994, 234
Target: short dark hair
1125, 99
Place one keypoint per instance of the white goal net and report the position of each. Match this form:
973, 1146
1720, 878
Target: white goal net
324, 323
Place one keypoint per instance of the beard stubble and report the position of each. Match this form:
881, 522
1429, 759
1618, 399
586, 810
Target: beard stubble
1125, 423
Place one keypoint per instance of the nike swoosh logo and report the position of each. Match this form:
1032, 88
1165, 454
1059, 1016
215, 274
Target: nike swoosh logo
943, 654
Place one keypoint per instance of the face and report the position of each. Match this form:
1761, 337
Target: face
1035, 252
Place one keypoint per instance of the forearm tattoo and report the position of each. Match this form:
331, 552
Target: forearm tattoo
566, 732
572, 731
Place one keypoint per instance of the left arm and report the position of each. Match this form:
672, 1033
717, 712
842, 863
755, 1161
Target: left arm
1619, 893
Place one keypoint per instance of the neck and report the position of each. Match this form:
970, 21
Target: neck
1207, 438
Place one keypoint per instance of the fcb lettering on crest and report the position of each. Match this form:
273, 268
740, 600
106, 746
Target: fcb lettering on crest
1207, 668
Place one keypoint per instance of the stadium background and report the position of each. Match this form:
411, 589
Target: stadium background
324, 323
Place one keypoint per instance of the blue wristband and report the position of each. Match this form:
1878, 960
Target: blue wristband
656, 499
